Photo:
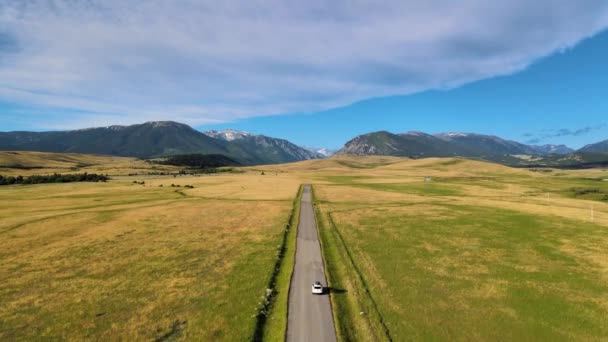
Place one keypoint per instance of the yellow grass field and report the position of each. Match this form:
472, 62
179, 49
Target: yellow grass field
14, 163
479, 252
124, 261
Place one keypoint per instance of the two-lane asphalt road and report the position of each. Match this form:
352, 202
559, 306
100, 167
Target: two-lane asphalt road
309, 317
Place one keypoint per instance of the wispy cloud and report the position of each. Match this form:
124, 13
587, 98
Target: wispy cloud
207, 61
577, 132
561, 132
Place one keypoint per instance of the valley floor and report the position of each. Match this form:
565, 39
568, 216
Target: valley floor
479, 252
124, 261
431, 249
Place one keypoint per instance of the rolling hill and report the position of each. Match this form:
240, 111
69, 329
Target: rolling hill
27, 163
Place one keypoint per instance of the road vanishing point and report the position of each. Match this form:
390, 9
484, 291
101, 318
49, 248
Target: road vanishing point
309, 316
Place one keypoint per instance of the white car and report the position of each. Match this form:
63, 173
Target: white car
317, 288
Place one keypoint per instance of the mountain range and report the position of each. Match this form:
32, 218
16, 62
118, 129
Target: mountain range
248, 139
167, 138
472, 145
159, 139
600, 147
266, 149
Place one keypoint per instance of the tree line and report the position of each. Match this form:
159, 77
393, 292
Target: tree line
54, 178
197, 160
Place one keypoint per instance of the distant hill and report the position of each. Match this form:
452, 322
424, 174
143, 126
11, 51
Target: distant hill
600, 147
418, 144
552, 149
412, 144
156, 139
575, 160
468, 145
325, 152
27, 163
151, 139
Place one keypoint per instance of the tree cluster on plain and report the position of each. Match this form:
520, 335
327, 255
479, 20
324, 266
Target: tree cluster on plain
54, 178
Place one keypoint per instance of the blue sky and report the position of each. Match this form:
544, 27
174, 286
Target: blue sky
528, 71
560, 99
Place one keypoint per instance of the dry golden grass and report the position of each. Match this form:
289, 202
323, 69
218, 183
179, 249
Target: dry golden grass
242, 186
124, 261
585, 173
338, 163
476, 183
120, 261
26, 163
337, 194
452, 167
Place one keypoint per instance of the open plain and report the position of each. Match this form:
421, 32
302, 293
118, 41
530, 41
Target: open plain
132, 261
453, 249
431, 249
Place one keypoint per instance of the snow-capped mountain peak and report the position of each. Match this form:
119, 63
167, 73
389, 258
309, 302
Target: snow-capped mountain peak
552, 149
280, 150
456, 134
324, 152
452, 135
227, 134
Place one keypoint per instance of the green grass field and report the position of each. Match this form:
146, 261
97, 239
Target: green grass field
472, 255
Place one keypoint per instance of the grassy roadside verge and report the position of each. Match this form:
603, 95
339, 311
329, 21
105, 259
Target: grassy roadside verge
356, 317
271, 322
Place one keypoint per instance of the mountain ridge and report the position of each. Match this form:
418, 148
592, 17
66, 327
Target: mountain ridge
167, 138
156, 139
598, 147
458, 144
282, 149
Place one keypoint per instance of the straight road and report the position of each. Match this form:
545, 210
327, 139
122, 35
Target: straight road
309, 316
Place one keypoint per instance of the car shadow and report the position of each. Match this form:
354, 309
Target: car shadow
329, 290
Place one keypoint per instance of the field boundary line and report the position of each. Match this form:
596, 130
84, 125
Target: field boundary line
357, 274
320, 239
361, 278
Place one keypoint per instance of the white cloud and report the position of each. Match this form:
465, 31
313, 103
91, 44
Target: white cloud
206, 61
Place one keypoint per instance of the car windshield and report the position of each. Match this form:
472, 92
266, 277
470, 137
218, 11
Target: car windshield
317, 285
